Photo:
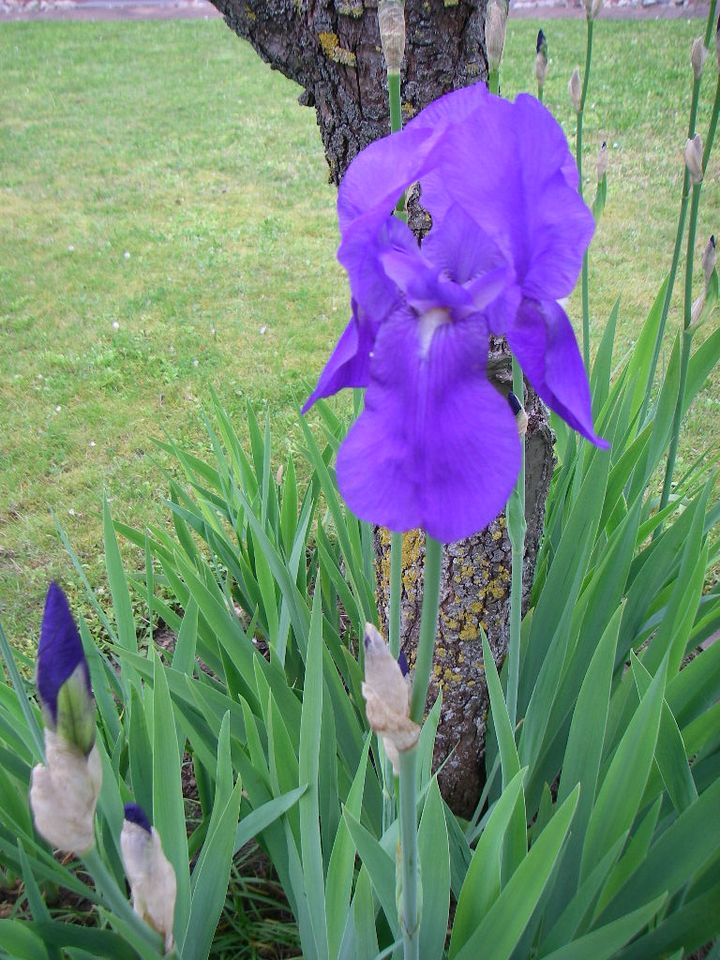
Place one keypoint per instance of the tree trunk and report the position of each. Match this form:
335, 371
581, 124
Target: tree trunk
332, 49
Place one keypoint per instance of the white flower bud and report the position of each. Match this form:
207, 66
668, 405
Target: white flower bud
592, 8
602, 161
575, 89
495, 20
64, 793
150, 874
387, 698
693, 158
698, 56
391, 17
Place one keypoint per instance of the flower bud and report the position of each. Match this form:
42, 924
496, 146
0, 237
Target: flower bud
150, 874
697, 57
709, 260
575, 89
495, 20
693, 158
391, 17
387, 698
64, 793
63, 678
592, 8
696, 312
602, 161
521, 417
541, 58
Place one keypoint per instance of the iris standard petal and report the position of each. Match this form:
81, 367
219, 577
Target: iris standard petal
436, 445
543, 340
60, 649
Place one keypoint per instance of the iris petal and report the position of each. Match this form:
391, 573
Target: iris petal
543, 340
436, 446
348, 365
60, 649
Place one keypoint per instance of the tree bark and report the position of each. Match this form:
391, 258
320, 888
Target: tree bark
332, 49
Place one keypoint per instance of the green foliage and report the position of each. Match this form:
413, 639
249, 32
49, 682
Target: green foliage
600, 837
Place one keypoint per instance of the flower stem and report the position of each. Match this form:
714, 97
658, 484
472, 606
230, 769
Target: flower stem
393, 80
494, 80
409, 919
115, 898
585, 283
687, 308
428, 627
517, 527
396, 542
394, 624
685, 196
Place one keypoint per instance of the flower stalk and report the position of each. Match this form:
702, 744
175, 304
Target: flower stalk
580, 109
684, 200
517, 527
428, 627
696, 164
409, 912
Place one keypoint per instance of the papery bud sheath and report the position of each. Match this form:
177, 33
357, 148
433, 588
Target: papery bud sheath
693, 158
391, 17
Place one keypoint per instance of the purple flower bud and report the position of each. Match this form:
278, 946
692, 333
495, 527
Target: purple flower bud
60, 652
541, 44
403, 664
515, 404
134, 813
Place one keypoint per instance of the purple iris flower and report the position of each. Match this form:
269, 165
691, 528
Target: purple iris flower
436, 445
60, 651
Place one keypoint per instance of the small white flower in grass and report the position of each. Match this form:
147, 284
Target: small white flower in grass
126, 255
196, 363
115, 325
263, 330
149, 872
387, 698
64, 790
58, 408
71, 248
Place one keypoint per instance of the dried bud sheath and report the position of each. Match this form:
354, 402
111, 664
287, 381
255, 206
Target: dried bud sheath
602, 161
495, 21
541, 59
698, 56
575, 90
391, 17
709, 260
694, 159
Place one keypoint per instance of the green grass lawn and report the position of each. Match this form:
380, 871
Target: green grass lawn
166, 225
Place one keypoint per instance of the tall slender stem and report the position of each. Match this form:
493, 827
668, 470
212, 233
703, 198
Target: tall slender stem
409, 920
516, 526
393, 80
684, 198
428, 627
585, 284
686, 342
396, 542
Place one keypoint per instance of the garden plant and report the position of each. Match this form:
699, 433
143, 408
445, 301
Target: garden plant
133, 774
